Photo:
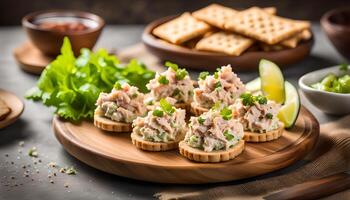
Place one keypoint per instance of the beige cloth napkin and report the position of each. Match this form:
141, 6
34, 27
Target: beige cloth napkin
331, 155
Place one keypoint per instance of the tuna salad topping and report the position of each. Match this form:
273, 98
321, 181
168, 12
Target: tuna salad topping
223, 86
163, 124
174, 82
123, 104
214, 130
256, 113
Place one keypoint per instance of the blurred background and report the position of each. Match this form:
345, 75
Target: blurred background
144, 11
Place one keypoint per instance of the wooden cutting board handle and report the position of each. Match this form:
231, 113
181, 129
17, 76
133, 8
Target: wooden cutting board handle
314, 189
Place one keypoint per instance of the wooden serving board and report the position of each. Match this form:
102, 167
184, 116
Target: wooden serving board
15, 104
114, 153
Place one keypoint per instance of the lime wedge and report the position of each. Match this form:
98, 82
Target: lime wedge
272, 81
254, 85
289, 112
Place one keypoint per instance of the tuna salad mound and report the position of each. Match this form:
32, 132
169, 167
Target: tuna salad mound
174, 82
256, 113
223, 86
164, 123
123, 104
214, 130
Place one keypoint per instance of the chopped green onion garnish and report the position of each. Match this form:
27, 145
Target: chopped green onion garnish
173, 66
163, 80
166, 106
216, 75
226, 113
158, 113
117, 86
203, 75
218, 84
228, 135
269, 116
201, 120
181, 74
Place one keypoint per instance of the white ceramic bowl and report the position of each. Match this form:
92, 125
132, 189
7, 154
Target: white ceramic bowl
328, 102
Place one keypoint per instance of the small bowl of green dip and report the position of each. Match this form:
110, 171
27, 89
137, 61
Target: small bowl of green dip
328, 89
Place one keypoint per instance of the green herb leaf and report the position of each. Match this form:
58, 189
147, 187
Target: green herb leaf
203, 75
216, 106
158, 113
228, 135
176, 92
181, 74
261, 99
269, 115
216, 75
201, 120
247, 99
173, 66
343, 67
193, 139
166, 106
226, 113
163, 80
117, 86
72, 85
33, 152
218, 84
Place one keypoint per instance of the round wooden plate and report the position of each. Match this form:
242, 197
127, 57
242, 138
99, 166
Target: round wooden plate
16, 106
210, 61
30, 58
114, 153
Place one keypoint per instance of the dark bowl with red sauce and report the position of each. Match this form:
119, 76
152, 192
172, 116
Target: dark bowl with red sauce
336, 25
46, 30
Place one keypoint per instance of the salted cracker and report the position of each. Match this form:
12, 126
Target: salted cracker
181, 29
224, 42
256, 23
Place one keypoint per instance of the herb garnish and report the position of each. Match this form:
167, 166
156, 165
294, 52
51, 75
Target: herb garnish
163, 80
166, 106
343, 67
269, 115
248, 99
216, 75
228, 135
201, 120
173, 66
117, 86
180, 74
226, 113
217, 85
203, 75
158, 113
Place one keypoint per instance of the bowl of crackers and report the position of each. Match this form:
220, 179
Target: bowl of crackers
219, 35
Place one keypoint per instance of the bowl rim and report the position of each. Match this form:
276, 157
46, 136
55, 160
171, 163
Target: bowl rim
326, 22
306, 87
26, 20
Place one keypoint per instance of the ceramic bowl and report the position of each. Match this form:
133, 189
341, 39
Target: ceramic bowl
49, 41
328, 102
336, 25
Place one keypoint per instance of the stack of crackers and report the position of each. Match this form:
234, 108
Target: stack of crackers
221, 29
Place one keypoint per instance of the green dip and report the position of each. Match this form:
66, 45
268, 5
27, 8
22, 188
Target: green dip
333, 83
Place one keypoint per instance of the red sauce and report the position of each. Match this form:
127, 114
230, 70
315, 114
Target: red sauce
63, 26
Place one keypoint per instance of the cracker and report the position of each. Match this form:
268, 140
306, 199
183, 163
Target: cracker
4, 110
224, 42
181, 29
264, 137
267, 28
293, 41
215, 156
152, 146
105, 124
216, 15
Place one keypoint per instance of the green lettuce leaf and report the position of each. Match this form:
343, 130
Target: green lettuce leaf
72, 85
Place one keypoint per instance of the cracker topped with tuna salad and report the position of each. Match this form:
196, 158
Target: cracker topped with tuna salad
175, 83
116, 110
259, 117
224, 86
214, 136
161, 130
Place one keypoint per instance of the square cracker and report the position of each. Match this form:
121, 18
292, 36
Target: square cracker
216, 15
181, 29
293, 41
270, 29
224, 42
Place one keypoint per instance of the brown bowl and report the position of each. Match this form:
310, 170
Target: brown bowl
49, 41
336, 24
202, 60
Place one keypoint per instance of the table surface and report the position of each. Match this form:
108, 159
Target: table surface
34, 128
